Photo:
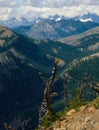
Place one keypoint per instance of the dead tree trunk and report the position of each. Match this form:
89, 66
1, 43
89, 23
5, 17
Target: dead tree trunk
46, 103
83, 84
66, 78
65, 93
47, 89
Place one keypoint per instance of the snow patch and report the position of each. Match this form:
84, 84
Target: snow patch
37, 21
86, 20
51, 18
58, 19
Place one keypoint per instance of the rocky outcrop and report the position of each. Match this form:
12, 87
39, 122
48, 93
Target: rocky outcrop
86, 118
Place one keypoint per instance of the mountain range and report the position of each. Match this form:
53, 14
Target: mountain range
88, 17
21, 21
50, 29
53, 27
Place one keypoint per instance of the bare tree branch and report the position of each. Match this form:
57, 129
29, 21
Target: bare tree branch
46, 103
83, 84
94, 86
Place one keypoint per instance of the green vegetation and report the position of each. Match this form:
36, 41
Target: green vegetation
91, 66
76, 102
50, 118
95, 103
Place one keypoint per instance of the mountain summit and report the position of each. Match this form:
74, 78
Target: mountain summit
88, 17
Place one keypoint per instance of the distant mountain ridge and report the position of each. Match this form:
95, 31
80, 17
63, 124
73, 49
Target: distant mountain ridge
54, 29
15, 22
22, 21
88, 17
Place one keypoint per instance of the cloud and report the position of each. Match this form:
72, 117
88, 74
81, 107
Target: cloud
46, 3
7, 8
8, 3
82, 2
68, 11
5, 13
59, 3
43, 8
92, 2
67, 8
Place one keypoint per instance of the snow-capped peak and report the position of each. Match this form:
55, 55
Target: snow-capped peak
37, 21
85, 20
58, 19
51, 18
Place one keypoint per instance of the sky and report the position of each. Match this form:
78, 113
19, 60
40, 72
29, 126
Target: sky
43, 8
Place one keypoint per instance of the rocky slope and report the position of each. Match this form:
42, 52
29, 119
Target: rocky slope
85, 118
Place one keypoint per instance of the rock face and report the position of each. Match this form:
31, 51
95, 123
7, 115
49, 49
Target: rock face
87, 118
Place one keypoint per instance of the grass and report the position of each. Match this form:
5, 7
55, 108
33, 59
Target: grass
95, 103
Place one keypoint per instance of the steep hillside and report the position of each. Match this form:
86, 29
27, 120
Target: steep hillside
77, 68
5, 36
72, 40
87, 42
19, 80
54, 29
38, 52
72, 75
